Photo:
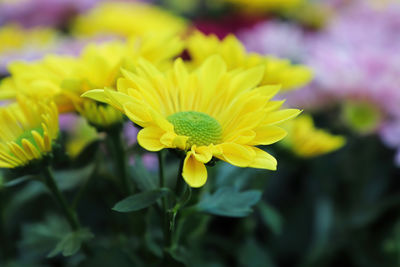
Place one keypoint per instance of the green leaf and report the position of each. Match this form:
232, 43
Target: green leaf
153, 236
181, 255
252, 254
71, 243
227, 201
71, 178
17, 181
271, 218
141, 200
39, 238
142, 177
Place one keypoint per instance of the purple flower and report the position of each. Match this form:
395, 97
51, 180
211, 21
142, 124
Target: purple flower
355, 58
41, 12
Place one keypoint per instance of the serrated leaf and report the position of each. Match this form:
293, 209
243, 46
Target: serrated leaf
71, 243
141, 200
227, 201
271, 218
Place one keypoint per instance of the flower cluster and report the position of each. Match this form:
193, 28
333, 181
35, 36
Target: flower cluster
354, 67
216, 104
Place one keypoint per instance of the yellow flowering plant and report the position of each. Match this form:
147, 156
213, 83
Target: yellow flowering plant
28, 138
276, 71
28, 134
127, 19
206, 112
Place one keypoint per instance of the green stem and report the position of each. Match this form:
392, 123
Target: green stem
120, 160
166, 219
179, 180
69, 214
161, 168
84, 187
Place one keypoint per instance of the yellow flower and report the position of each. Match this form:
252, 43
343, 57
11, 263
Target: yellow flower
307, 141
99, 66
14, 37
103, 117
266, 5
208, 112
66, 78
277, 71
128, 19
40, 79
28, 130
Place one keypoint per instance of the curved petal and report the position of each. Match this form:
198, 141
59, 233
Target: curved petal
194, 172
172, 140
202, 153
149, 138
137, 113
238, 155
263, 160
280, 116
267, 135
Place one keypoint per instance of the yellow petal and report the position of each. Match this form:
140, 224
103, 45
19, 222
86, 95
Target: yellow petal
149, 138
247, 79
96, 94
281, 116
267, 135
263, 160
202, 153
172, 140
194, 172
137, 113
236, 154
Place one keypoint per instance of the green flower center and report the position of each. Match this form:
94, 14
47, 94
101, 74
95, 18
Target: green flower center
362, 117
201, 128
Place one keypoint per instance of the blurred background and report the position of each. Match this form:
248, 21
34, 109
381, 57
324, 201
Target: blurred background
335, 198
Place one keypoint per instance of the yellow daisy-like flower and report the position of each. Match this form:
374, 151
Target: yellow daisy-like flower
66, 78
277, 71
307, 141
208, 112
103, 117
40, 79
99, 66
14, 37
127, 20
28, 131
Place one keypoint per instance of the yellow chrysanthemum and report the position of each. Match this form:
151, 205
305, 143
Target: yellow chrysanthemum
28, 129
277, 71
40, 79
307, 141
208, 112
266, 5
128, 19
101, 116
98, 66
14, 37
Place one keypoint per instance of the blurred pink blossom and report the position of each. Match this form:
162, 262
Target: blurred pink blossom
356, 57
